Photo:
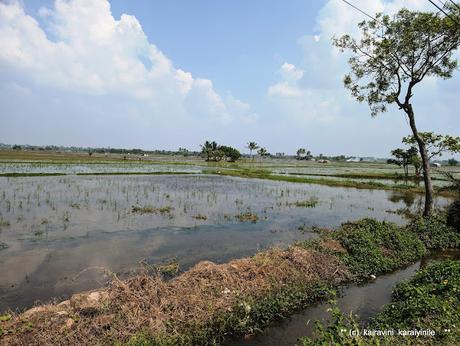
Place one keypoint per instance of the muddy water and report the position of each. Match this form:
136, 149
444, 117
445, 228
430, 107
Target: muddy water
60, 235
365, 301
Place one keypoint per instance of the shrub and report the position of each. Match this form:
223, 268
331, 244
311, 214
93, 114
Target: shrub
374, 247
434, 232
230, 153
429, 300
453, 215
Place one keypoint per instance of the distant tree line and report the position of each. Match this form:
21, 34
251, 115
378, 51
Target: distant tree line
134, 151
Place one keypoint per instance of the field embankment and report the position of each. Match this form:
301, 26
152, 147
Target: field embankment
210, 302
427, 304
265, 174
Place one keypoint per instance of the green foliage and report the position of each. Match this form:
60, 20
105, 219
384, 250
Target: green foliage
336, 330
375, 247
453, 215
434, 232
263, 152
6, 317
397, 53
392, 56
303, 154
230, 153
429, 300
250, 315
253, 314
168, 269
252, 146
215, 152
282, 303
436, 144
404, 158
452, 162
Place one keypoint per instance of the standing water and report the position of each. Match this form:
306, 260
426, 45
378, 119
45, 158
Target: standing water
60, 235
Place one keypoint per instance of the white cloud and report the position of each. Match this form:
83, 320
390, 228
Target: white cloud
310, 93
77, 75
82, 49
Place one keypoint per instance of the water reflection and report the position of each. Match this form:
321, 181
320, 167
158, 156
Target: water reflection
62, 234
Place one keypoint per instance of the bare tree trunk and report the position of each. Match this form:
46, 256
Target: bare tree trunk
425, 163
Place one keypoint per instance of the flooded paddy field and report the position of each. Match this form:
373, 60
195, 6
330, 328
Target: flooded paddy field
60, 235
354, 172
92, 168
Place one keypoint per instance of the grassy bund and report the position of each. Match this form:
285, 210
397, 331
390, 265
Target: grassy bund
211, 303
424, 311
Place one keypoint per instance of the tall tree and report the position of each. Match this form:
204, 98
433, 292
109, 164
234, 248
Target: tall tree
301, 153
252, 146
404, 158
263, 152
392, 56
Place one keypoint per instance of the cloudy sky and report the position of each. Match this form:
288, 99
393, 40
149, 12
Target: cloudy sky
165, 74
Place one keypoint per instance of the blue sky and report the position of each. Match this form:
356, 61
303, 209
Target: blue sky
164, 74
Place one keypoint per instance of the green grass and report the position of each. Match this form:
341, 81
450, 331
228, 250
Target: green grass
428, 301
370, 175
267, 175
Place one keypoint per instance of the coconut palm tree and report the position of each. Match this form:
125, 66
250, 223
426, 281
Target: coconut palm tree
252, 146
208, 149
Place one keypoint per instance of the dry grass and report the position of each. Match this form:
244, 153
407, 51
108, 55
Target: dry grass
165, 310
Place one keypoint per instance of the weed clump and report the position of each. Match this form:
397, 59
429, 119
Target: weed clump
4, 223
247, 216
200, 217
310, 203
168, 269
147, 209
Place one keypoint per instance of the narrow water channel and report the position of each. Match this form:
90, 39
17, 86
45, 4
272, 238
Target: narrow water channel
362, 300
